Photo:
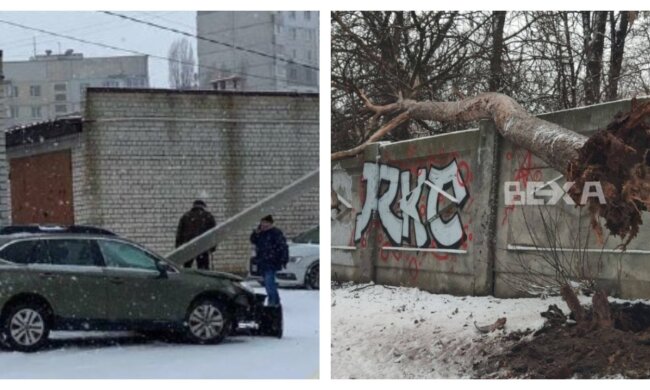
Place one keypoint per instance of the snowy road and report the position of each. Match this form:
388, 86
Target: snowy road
128, 356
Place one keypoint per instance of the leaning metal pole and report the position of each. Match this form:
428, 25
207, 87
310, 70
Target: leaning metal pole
243, 219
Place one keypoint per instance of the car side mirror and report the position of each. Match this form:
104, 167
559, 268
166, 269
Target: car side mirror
162, 268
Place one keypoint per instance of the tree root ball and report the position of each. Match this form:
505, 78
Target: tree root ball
619, 158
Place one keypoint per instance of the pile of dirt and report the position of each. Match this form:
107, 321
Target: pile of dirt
564, 349
619, 158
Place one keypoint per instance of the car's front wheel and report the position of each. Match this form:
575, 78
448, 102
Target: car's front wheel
312, 279
26, 327
207, 322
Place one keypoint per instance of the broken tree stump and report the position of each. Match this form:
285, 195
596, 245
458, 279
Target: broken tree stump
602, 313
572, 301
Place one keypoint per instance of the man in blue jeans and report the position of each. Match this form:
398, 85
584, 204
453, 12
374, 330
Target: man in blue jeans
272, 254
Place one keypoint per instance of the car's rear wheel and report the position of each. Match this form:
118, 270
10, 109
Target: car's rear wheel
207, 322
26, 327
312, 279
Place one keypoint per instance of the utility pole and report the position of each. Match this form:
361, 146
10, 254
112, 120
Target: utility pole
243, 220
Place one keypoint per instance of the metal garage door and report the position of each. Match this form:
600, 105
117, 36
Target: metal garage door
41, 189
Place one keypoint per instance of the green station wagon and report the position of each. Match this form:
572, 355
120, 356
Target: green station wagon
85, 278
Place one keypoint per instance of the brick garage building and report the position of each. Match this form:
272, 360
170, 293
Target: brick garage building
138, 158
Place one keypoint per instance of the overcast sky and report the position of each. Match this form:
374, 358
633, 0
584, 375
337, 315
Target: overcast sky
18, 43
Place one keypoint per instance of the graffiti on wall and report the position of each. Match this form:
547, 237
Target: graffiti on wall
417, 206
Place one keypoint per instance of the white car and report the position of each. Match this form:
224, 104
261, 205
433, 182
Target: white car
302, 269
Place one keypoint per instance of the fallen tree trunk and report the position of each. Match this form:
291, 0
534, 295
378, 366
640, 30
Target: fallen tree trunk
617, 157
554, 144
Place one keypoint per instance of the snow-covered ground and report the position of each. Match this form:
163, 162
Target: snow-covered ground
393, 332
293, 356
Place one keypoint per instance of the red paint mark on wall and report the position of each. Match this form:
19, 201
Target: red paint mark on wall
523, 173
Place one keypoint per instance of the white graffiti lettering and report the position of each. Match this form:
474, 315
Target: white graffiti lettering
409, 206
371, 177
446, 233
396, 222
391, 222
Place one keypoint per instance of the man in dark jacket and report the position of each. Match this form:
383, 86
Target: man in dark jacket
272, 254
192, 224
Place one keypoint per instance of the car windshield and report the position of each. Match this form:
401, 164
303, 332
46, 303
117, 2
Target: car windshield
311, 236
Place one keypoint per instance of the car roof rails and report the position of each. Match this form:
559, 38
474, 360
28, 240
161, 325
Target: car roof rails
72, 229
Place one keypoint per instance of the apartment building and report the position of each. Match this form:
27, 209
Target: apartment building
288, 40
49, 86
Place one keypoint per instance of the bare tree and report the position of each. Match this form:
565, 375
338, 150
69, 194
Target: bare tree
422, 55
496, 67
182, 73
618, 37
594, 25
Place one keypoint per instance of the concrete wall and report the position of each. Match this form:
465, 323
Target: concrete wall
386, 237
146, 155
479, 247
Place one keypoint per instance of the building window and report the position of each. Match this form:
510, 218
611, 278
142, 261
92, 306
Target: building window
36, 112
60, 87
294, 34
310, 76
60, 97
135, 82
60, 108
35, 90
11, 91
111, 83
309, 55
222, 85
293, 73
292, 15
14, 112
293, 53
307, 15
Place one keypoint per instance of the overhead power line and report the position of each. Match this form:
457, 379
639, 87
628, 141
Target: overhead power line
87, 29
241, 27
236, 47
156, 15
107, 46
